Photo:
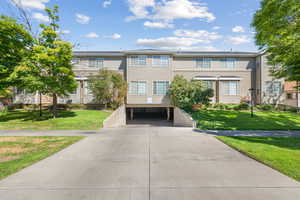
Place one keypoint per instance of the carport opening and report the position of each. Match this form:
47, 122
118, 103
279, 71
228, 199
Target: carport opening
149, 115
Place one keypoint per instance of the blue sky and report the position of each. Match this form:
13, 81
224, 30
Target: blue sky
210, 25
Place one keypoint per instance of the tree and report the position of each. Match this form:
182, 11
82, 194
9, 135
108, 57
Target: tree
184, 93
277, 25
15, 43
48, 69
108, 87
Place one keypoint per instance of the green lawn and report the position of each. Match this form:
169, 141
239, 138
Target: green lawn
241, 120
17, 153
282, 154
67, 120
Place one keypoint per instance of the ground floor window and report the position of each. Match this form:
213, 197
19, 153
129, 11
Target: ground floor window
137, 87
231, 87
207, 84
160, 87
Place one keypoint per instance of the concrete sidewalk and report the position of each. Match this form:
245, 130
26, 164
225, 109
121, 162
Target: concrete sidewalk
160, 163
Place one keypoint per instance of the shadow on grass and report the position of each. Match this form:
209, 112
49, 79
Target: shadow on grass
34, 115
287, 143
239, 120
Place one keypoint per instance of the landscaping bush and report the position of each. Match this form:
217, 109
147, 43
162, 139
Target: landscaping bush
287, 108
241, 106
265, 107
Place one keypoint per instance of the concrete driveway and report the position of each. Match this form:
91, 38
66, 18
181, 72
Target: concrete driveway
157, 163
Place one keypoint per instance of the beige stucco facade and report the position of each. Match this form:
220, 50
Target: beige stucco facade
250, 70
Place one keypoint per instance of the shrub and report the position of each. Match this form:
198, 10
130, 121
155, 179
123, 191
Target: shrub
290, 109
241, 106
185, 93
265, 107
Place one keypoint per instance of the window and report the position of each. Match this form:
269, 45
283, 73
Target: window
273, 88
75, 61
138, 60
88, 91
228, 63
207, 84
204, 63
96, 62
160, 60
231, 87
137, 87
160, 87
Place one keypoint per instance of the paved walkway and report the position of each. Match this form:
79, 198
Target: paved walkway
148, 163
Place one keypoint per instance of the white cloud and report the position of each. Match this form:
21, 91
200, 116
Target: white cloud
82, 19
106, 3
40, 17
113, 36
32, 4
169, 10
238, 29
65, 31
203, 35
170, 42
139, 8
216, 27
92, 35
236, 40
182, 9
158, 24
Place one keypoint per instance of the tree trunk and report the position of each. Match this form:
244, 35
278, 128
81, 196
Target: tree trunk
54, 109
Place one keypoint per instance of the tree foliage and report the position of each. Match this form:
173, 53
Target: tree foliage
184, 93
277, 25
48, 69
108, 87
15, 43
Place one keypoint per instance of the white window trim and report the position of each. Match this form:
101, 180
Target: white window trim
201, 60
78, 61
96, 67
133, 64
146, 88
153, 87
160, 65
238, 90
224, 63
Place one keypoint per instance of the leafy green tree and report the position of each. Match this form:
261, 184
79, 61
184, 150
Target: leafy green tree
48, 69
15, 43
184, 93
108, 88
277, 25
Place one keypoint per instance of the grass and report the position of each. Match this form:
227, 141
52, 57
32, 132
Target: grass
241, 120
17, 153
282, 154
67, 120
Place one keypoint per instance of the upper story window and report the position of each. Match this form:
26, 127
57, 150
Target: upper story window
96, 62
228, 63
160, 87
137, 87
160, 60
75, 61
204, 63
273, 88
138, 60
231, 87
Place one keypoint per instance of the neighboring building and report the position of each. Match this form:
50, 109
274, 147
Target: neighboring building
149, 73
291, 94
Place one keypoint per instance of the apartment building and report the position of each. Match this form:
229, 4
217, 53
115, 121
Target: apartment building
150, 72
